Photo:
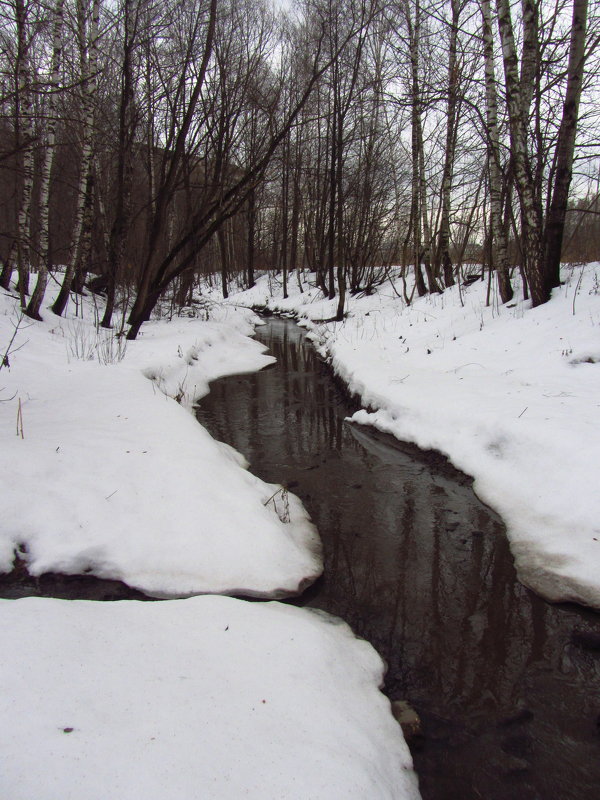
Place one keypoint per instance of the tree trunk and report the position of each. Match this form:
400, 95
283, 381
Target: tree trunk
426, 243
518, 93
445, 259
285, 179
499, 248
418, 187
296, 204
224, 260
33, 309
332, 193
89, 66
251, 236
24, 120
341, 265
122, 217
6, 274
145, 309
555, 222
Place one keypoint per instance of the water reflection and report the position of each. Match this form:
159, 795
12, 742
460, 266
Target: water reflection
419, 567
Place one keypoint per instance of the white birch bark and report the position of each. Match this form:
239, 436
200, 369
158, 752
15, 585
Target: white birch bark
89, 67
416, 139
443, 259
33, 309
517, 95
499, 242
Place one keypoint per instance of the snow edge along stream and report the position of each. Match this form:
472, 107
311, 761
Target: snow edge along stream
508, 393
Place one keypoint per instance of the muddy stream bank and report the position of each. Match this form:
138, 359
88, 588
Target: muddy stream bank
507, 685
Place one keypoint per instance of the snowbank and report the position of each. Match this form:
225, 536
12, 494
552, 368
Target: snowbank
509, 393
113, 477
206, 698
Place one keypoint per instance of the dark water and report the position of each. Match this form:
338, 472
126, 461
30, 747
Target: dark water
19, 583
507, 686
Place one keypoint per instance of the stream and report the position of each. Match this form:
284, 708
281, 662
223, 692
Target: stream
507, 686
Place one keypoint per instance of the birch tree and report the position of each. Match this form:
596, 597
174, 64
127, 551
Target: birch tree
33, 308
418, 234
542, 234
495, 178
443, 259
88, 30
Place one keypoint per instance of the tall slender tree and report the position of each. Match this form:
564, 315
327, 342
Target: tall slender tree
498, 231
33, 308
88, 17
565, 146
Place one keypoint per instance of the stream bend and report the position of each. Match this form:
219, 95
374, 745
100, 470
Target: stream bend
507, 685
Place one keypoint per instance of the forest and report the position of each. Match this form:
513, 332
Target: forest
357, 244
145, 144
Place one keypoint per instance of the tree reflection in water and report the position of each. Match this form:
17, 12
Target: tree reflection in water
420, 568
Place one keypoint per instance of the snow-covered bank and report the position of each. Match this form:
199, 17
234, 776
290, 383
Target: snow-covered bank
510, 394
113, 477
207, 697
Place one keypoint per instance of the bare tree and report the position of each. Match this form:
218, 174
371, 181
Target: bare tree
33, 308
563, 160
226, 199
19, 255
498, 231
88, 31
443, 258
130, 13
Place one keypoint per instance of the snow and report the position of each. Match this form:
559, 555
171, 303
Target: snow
207, 697
201, 697
509, 393
113, 477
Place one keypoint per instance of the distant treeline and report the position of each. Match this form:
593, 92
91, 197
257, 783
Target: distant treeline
143, 144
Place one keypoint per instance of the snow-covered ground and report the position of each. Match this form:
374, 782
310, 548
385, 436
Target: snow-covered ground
115, 478
509, 393
209, 698
204, 697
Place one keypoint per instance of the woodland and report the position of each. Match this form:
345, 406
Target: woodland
417, 182
145, 144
